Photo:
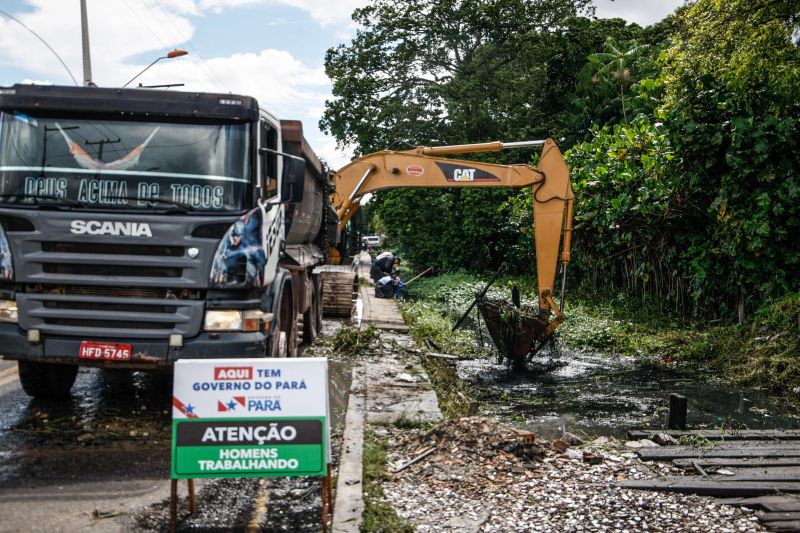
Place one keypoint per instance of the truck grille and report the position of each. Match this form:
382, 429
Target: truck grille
109, 316
123, 292
112, 249
112, 270
70, 262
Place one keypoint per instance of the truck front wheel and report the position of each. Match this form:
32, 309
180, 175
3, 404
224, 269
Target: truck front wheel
46, 380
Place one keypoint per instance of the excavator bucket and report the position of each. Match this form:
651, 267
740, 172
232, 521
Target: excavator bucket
514, 330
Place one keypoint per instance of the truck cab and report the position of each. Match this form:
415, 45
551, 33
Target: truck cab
141, 226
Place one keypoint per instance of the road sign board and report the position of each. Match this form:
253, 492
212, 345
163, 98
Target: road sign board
250, 418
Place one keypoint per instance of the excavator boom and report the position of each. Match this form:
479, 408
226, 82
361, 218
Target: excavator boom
425, 167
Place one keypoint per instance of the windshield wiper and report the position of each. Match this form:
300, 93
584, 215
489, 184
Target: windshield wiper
182, 205
71, 202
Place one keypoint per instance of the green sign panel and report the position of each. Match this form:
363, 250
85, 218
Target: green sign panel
247, 447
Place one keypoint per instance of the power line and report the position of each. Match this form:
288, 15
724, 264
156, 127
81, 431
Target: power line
15, 19
212, 76
186, 39
154, 34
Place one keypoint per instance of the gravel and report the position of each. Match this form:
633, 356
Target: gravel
486, 476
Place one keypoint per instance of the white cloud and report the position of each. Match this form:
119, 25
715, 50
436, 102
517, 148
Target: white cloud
326, 12
282, 84
642, 12
118, 29
28, 81
121, 29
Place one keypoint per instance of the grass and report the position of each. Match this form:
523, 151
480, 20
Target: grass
378, 516
351, 340
455, 398
764, 352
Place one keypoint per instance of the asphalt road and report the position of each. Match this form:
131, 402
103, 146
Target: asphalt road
100, 461
88, 461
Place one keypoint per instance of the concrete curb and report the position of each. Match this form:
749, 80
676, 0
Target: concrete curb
349, 504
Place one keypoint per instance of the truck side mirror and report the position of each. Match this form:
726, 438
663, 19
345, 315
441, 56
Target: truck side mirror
293, 179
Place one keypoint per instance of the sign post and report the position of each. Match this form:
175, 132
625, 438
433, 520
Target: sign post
251, 418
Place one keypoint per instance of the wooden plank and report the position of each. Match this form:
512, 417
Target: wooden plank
785, 515
705, 487
767, 503
716, 434
738, 462
758, 474
669, 453
787, 525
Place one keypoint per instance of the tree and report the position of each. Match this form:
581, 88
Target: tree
617, 62
732, 108
421, 71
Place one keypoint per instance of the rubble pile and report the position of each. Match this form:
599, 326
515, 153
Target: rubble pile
475, 474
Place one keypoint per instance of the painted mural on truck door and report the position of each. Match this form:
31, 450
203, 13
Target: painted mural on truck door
249, 252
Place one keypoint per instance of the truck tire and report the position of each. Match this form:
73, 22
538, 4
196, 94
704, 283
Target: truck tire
310, 328
46, 380
319, 288
283, 332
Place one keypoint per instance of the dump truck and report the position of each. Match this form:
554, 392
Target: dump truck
143, 226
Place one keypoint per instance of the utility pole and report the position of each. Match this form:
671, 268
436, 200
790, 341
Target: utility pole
87, 60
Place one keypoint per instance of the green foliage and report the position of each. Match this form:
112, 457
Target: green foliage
732, 102
615, 64
422, 70
698, 442
686, 167
766, 350
351, 340
627, 213
427, 72
427, 322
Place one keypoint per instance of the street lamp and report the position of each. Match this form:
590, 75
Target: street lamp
171, 55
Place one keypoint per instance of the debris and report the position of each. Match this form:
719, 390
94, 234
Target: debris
699, 468
416, 459
99, 515
560, 445
591, 458
665, 439
574, 454
406, 378
486, 476
644, 443
571, 439
85, 438
443, 356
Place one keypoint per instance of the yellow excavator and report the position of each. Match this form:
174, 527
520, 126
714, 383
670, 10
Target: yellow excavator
425, 167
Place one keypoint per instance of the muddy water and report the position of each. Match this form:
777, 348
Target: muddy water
606, 395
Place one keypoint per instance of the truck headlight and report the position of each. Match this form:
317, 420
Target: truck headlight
8, 311
233, 320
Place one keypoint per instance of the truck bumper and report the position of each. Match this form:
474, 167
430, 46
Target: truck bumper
147, 353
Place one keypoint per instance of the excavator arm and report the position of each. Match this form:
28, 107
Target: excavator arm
424, 167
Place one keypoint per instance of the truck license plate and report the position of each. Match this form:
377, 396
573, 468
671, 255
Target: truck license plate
108, 351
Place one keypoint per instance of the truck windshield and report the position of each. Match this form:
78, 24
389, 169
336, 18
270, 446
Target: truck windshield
112, 164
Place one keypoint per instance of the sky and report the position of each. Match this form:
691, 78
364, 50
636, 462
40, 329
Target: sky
273, 50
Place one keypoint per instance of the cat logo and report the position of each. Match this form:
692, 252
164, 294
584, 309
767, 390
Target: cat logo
464, 174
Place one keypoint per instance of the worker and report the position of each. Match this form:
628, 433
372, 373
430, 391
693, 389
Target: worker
382, 266
386, 287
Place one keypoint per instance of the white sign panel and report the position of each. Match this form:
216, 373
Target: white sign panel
250, 388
